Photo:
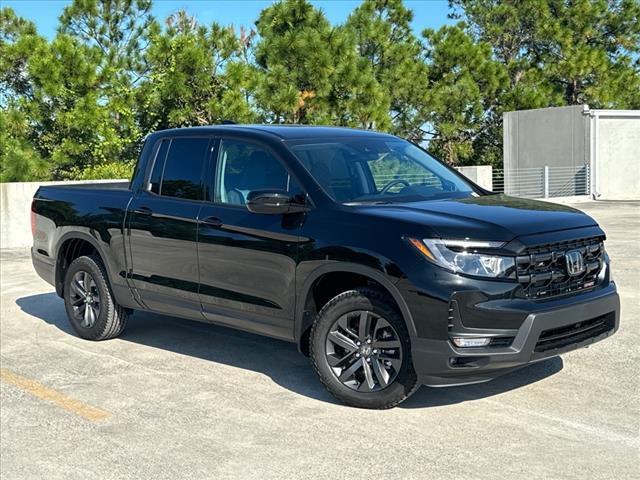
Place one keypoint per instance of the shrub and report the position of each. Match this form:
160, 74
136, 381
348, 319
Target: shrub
113, 170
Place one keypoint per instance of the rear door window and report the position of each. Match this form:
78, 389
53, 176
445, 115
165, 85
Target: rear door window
178, 170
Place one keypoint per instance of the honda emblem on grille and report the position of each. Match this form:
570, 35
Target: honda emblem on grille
575, 262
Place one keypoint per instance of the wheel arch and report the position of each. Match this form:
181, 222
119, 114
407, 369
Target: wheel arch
304, 316
71, 246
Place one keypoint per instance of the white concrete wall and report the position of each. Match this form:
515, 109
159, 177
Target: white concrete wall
480, 174
617, 156
15, 210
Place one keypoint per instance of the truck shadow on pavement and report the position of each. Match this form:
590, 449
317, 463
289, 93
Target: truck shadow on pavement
275, 358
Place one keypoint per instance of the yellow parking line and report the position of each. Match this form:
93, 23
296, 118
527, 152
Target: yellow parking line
38, 390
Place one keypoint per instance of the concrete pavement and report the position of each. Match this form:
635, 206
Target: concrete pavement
188, 400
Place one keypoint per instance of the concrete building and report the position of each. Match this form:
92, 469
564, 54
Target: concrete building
572, 151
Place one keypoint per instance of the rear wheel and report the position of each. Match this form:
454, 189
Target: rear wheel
361, 350
91, 308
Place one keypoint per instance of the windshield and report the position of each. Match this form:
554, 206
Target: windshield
358, 170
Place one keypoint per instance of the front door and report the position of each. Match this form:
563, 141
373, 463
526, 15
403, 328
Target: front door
162, 221
248, 260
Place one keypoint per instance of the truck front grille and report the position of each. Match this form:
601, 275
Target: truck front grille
575, 333
544, 271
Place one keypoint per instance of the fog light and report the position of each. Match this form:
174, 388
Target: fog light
465, 342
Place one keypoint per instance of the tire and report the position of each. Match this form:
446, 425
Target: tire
91, 308
333, 353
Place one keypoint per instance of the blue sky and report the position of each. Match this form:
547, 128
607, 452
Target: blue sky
45, 13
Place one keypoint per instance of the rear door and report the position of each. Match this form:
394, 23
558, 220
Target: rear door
248, 260
162, 221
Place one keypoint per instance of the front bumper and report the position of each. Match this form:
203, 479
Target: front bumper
440, 363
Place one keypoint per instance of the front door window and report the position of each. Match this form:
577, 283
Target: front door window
244, 167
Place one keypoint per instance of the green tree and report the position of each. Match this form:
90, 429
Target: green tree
509, 28
197, 75
18, 39
19, 161
65, 119
311, 72
465, 83
78, 105
383, 35
69, 125
562, 52
587, 49
294, 61
51, 109
118, 30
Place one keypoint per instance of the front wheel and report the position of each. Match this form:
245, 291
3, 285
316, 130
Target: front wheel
361, 351
91, 308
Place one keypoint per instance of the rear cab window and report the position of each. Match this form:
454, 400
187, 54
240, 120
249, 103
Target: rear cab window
179, 167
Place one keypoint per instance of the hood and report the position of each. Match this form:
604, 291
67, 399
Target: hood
489, 217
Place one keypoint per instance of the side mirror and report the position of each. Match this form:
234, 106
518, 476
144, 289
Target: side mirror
273, 202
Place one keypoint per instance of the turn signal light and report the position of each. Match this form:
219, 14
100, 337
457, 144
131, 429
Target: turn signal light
422, 248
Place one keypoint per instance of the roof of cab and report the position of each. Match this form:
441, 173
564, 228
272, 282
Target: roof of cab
284, 132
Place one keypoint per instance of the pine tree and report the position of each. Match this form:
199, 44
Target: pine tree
383, 36
119, 28
18, 39
69, 125
118, 31
355, 99
465, 83
562, 52
19, 160
295, 62
197, 76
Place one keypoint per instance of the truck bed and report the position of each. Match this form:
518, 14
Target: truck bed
94, 212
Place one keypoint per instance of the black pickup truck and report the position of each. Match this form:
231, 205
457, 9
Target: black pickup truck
388, 268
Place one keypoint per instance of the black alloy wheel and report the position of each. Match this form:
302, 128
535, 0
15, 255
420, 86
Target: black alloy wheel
91, 307
361, 349
364, 351
85, 299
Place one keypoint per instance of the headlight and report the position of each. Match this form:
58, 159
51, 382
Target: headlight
460, 256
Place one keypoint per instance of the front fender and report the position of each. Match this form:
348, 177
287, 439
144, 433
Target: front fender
302, 322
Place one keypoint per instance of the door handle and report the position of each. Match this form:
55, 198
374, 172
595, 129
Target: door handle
211, 221
143, 211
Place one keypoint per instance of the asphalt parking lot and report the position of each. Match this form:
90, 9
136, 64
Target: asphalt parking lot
178, 399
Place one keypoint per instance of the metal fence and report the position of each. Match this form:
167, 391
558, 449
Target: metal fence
543, 182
